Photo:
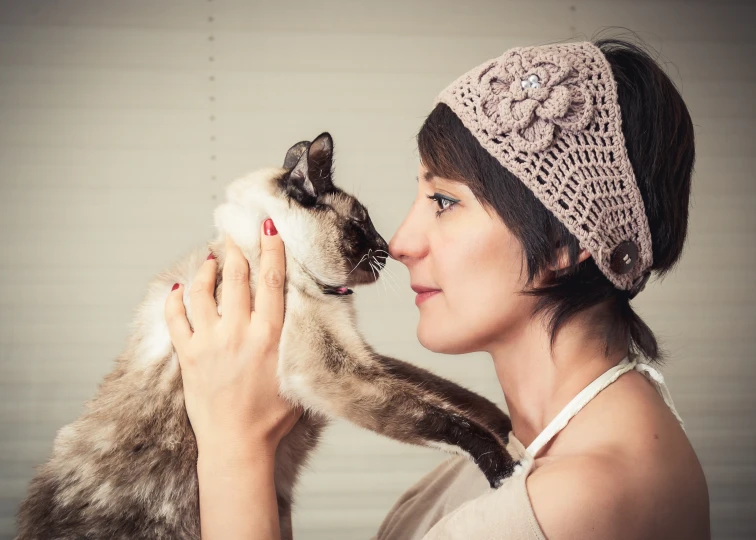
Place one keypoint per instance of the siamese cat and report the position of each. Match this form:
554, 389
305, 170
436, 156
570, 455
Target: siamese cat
126, 469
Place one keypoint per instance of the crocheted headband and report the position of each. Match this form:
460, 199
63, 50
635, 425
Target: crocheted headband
550, 115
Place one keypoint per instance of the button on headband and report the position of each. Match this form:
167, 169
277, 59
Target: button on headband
624, 257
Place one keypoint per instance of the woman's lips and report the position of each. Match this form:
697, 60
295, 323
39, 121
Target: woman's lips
423, 293
423, 296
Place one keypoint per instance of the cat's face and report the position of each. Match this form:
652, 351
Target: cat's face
354, 252
327, 232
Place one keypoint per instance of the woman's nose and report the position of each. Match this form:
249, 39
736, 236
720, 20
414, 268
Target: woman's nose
408, 243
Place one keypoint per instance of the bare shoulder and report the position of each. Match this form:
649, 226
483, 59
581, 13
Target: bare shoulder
597, 497
578, 497
636, 478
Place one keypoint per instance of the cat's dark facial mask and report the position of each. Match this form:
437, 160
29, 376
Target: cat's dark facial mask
353, 245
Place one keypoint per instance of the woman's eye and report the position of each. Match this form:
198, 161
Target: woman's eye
444, 202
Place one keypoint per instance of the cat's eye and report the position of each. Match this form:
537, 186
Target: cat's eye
444, 202
359, 214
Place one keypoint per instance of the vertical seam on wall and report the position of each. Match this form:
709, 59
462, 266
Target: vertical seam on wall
573, 19
212, 94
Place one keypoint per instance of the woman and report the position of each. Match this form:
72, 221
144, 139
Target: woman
552, 181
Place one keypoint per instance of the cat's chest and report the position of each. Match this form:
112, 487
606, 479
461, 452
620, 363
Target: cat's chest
314, 356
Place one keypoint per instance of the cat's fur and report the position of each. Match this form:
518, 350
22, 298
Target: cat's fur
126, 469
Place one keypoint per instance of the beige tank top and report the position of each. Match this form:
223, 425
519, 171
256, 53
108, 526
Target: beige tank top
455, 502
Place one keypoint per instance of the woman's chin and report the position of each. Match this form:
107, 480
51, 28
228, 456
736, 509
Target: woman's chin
438, 341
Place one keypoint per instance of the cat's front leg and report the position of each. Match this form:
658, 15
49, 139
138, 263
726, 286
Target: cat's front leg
400, 401
463, 419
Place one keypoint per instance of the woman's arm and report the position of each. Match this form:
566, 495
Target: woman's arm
228, 368
238, 496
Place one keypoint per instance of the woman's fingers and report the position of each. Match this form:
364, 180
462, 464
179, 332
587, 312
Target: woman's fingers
175, 317
202, 295
236, 293
269, 294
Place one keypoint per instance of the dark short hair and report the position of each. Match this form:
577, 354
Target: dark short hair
658, 135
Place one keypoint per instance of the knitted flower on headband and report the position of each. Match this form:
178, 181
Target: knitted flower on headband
529, 98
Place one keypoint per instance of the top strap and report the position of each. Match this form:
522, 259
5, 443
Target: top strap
590, 391
657, 380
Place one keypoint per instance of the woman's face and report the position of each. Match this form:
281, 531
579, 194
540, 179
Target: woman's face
470, 262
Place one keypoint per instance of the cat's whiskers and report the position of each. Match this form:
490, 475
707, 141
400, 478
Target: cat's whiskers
390, 281
391, 278
356, 265
385, 257
372, 269
383, 281
370, 262
387, 283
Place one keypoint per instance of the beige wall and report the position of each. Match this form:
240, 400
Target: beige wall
116, 141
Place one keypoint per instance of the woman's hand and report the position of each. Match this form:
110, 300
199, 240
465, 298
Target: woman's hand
228, 366
228, 363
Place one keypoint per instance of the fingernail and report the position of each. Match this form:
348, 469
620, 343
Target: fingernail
269, 228
175, 286
211, 256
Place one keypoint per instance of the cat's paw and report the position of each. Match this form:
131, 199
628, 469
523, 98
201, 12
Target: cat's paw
498, 467
517, 468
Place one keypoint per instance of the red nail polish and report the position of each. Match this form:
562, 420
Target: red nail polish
175, 286
211, 256
269, 228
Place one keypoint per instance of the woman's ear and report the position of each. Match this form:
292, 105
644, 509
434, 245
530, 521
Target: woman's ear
563, 258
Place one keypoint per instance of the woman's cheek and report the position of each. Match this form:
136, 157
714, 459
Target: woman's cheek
450, 323
486, 311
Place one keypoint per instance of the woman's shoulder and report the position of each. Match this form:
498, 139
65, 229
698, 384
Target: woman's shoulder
594, 497
578, 497
635, 477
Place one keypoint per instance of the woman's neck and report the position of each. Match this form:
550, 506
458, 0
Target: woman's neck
537, 383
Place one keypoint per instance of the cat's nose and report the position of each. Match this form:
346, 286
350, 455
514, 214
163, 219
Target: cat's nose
381, 250
382, 244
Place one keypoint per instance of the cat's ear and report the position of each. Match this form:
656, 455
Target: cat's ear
299, 185
311, 176
320, 162
294, 153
